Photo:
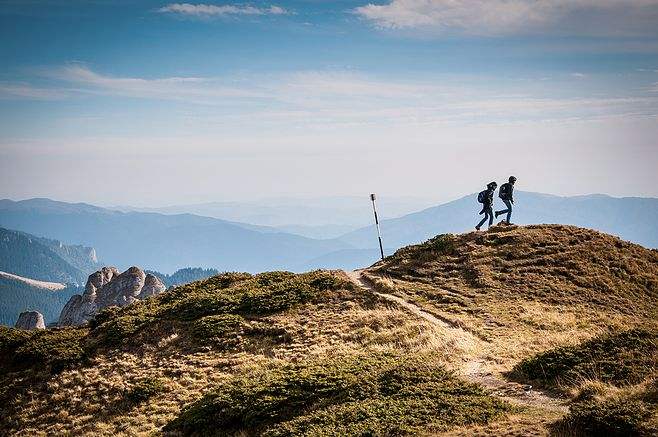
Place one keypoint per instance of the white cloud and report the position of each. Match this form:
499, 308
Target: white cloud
507, 17
326, 99
202, 10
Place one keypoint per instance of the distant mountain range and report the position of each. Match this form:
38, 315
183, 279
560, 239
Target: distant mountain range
45, 260
165, 242
631, 218
323, 217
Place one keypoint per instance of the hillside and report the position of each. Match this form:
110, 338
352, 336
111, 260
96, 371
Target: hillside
18, 294
45, 260
440, 338
631, 218
164, 242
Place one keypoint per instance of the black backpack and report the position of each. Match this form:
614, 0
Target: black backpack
503, 193
482, 196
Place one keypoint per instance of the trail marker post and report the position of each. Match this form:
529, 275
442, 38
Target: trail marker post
379, 233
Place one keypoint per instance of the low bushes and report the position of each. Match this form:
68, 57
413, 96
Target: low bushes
144, 390
630, 411
626, 357
49, 348
365, 394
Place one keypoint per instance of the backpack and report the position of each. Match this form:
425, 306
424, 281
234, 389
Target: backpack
482, 196
503, 193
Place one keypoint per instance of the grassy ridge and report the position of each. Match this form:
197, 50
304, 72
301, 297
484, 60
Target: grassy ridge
212, 309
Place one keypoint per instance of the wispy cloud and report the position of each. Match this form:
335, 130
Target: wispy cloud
191, 89
202, 10
509, 17
330, 98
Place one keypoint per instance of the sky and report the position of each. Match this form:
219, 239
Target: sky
153, 103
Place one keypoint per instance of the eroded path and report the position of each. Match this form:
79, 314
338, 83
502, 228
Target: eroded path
475, 367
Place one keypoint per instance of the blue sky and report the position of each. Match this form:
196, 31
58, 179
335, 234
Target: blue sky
154, 103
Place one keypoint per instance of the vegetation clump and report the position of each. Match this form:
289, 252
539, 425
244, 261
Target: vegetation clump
630, 411
619, 376
49, 348
224, 329
618, 358
364, 394
230, 294
144, 390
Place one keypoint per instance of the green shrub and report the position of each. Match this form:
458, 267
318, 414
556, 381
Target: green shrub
364, 394
11, 338
612, 417
144, 390
104, 315
56, 348
618, 358
202, 303
220, 329
441, 244
117, 324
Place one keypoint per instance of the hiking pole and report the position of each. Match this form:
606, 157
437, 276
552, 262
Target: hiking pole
379, 232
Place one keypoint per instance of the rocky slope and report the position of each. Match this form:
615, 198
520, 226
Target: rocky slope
106, 288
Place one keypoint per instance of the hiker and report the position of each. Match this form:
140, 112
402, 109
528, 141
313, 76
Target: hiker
486, 198
506, 194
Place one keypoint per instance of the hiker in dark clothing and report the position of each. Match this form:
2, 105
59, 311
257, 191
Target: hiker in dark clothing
506, 194
486, 198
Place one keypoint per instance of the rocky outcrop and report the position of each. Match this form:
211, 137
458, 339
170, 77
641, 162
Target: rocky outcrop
107, 287
30, 320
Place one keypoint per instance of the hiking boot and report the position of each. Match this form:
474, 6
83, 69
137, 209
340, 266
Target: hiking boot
477, 228
497, 214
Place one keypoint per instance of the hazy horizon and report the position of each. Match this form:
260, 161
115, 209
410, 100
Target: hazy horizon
154, 103
283, 200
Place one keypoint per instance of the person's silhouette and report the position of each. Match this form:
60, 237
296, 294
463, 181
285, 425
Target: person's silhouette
486, 198
506, 194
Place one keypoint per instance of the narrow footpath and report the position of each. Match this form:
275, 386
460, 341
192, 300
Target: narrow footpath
475, 368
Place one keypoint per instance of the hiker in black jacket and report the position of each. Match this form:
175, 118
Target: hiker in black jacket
486, 198
506, 194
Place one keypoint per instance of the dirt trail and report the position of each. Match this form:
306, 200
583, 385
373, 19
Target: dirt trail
475, 369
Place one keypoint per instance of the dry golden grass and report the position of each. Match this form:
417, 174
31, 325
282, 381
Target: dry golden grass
527, 289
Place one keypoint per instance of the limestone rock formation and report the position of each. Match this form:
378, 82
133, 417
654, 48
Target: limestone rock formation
30, 320
107, 287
